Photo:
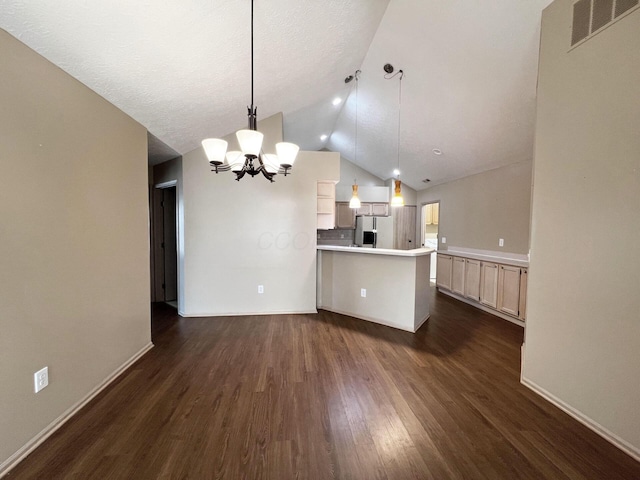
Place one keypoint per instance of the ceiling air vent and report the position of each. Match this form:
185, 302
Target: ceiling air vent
590, 16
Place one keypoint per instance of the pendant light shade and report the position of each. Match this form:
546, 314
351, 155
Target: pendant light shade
397, 200
250, 141
287, 154
355, 200
215, 149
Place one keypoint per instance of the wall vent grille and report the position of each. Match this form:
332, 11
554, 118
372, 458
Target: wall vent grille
591, 16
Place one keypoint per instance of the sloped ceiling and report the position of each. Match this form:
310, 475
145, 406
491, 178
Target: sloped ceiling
182, 70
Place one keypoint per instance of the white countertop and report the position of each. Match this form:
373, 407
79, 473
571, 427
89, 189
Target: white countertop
487, 258
417, 252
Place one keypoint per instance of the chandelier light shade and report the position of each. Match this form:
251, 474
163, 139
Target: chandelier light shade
215, 149
355, 200
251, 159
250, 142
287, 153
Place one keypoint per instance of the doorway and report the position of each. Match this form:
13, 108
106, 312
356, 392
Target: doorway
164, 287
430, 218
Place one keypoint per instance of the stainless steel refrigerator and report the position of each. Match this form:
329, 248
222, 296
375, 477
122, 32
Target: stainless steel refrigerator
376, 232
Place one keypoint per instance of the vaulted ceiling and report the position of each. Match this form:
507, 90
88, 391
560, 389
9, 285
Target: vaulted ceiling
182, 69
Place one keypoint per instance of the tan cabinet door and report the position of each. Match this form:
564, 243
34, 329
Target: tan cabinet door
365, 209
523, 293
457, 277
380, 209
489, 284
509, 289
325, 205
472, 279
345, 216
444, 271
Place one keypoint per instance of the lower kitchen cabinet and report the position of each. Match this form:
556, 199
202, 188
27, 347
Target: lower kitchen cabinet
500, 287
509, 289
443, 271
489, 284
457, 275
472, 279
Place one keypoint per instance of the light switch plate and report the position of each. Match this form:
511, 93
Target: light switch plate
363, 292
443, 239
260, 288
501, 242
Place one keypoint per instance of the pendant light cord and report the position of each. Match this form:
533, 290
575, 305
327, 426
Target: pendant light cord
399, 116
355, 147
252, 54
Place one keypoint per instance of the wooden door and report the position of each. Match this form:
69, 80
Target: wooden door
489, 284
445, 267
165, 251
472, 279
404, 227
457, 276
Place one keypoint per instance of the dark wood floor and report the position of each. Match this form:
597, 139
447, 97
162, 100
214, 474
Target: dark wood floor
326, 396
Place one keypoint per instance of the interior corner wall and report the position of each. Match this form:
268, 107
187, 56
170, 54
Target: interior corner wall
239, 235
478, 210
582, 335
75, 244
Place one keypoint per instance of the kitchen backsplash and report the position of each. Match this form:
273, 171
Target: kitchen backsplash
338, 236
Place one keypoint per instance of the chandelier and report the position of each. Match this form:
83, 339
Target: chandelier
251, 159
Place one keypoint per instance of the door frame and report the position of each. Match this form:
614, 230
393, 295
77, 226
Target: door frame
434, 263
179, 235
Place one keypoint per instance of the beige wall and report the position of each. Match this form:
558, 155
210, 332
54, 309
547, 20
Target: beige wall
75, 242
239, 235
350, 171
478, 210
583, 323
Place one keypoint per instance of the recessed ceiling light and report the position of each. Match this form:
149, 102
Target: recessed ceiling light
396, 172
336, 101
323, 137
437, 151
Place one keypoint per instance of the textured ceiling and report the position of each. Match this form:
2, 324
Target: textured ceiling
182, 70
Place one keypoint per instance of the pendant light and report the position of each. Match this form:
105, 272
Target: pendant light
355, 201
250, 159
397, 200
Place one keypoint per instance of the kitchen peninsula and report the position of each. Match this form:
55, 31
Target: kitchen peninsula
386, 286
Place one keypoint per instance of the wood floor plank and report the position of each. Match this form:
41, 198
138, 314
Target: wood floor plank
325, 396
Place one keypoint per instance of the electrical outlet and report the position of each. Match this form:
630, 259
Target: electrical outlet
363, 292
501, 242
260, 288
40, 379
443, 240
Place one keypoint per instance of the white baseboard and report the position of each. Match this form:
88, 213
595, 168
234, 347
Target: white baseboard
421, 323
611, 437
374, 320
36, 441
241, 314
